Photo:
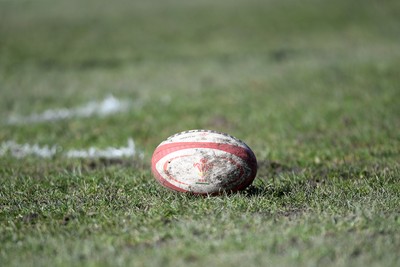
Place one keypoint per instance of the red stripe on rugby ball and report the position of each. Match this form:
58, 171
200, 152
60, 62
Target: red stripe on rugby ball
162, 150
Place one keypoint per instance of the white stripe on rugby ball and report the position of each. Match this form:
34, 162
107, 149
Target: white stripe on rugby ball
204, 162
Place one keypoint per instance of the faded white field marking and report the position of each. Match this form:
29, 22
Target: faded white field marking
108, 106
109, 152
24, 150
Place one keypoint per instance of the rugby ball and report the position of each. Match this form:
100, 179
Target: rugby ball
204, 162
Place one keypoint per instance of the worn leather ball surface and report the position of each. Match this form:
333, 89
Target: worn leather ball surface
204, 162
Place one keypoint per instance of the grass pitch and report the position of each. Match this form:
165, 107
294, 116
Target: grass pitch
311, 87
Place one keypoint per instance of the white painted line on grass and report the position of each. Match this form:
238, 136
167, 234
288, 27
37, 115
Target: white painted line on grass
109, 152
24, 150
108, 106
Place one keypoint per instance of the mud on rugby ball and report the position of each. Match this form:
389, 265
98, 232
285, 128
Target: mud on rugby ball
204, 162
